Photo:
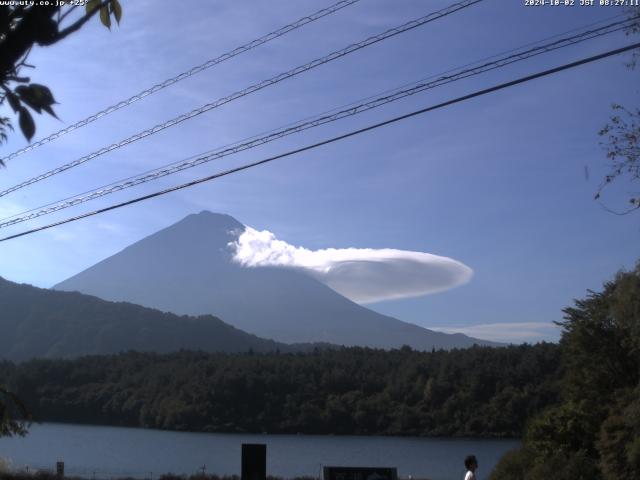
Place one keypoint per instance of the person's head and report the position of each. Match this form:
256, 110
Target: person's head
471, 463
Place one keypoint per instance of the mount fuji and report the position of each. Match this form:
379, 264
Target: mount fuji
188, 269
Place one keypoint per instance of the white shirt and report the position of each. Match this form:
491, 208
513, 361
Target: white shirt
470, 476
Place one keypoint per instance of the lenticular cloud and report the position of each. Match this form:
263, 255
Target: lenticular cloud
363, 275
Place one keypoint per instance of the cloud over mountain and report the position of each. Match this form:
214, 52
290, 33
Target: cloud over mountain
188, 268
363, 275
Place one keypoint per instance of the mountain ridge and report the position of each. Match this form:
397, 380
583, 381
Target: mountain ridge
43, 323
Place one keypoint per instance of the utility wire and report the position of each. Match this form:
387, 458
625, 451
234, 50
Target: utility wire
186, 74
253, 88
247, 166
311, 122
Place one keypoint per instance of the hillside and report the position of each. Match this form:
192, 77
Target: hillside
37, 322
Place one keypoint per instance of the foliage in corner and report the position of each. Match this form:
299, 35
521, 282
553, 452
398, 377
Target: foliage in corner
23, 26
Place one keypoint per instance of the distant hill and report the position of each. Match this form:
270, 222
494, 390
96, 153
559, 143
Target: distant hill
187, 268
36, 322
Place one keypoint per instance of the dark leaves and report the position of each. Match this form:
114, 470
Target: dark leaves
43, 30
13, 101
92, 5
116, 9
26, 123
5, 124
37, 97
105, 11
104, 17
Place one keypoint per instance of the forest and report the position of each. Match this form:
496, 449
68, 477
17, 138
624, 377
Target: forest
480, 391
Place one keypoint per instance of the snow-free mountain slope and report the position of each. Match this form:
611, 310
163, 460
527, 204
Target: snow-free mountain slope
188, 269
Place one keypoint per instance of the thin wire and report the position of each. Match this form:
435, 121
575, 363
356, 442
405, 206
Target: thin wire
186, 74
230, 171
311, 122
249, 90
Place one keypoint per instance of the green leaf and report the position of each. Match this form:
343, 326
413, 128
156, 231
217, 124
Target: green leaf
92, 5
14, 101
27, 96
27, 125
37, 97
116, 8
43, 92
104, 17
50, 111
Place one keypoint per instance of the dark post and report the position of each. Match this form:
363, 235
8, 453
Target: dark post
60, 469
254, 461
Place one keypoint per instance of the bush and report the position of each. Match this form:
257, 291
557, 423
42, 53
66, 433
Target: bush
525, 464
513, 465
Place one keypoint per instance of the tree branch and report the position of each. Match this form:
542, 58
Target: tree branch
19, 40
80, 22
64, 15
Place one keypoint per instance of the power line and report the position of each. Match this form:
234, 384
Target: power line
312, 122
352, 133
186, 74
249, 90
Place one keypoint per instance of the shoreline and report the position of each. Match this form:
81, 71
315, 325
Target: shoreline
282, 434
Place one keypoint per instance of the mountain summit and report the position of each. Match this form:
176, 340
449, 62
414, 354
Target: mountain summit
188, 269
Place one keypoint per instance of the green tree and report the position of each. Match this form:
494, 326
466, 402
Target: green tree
594, 432
23, 26
619, 439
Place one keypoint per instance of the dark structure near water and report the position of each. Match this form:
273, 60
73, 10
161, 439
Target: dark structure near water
254, 461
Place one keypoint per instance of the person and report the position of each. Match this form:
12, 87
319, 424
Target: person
471, 464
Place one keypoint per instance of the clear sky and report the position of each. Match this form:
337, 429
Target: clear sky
502, 183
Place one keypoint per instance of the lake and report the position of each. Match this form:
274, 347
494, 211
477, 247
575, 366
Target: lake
105, 452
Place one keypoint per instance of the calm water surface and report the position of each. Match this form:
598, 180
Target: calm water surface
115, 451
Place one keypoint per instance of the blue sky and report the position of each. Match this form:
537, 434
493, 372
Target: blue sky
497, 182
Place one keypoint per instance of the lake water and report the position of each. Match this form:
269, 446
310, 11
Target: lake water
105, 452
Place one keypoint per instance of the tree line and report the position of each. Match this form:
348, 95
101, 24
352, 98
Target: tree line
480, 391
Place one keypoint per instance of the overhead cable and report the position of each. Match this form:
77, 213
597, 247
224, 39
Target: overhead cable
353, 109
186, 74
249, 90
230, 171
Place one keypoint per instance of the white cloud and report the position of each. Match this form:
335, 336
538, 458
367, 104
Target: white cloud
363, 275
515, 332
